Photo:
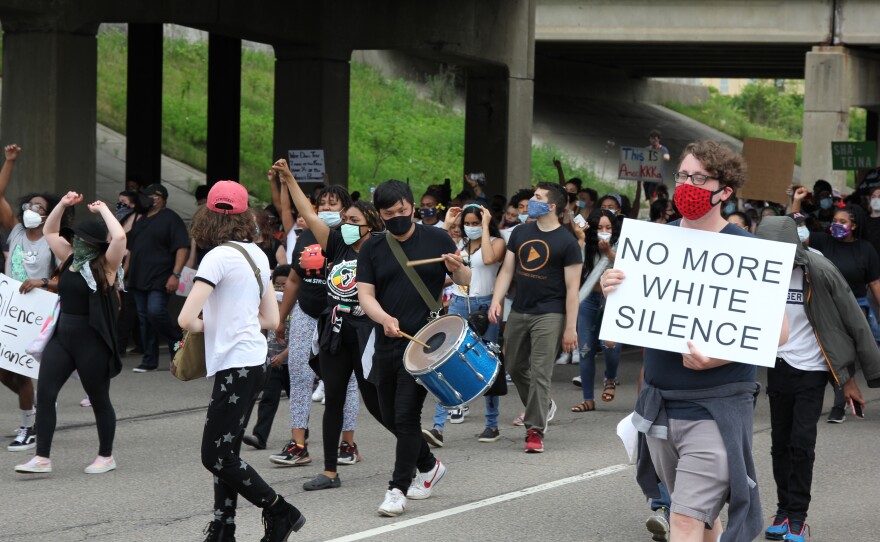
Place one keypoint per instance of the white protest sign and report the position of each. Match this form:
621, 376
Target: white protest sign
307, 166
725, 293
641, 164
185, 284
21, 318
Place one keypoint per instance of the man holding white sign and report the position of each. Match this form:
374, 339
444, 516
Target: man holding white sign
696, 406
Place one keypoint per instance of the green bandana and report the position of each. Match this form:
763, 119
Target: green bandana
83, 253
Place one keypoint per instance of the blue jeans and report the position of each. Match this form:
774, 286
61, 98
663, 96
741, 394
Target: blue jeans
588, 332
665, 501
152, 309
459, 305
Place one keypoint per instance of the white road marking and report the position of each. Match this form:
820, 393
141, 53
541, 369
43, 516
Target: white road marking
481, 504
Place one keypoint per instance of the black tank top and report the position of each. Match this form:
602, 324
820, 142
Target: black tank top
74, 293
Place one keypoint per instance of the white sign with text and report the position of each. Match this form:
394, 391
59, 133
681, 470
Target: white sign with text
641, 164
307, 166
725, 293
21, 318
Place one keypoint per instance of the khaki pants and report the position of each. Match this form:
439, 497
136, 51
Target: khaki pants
531, 342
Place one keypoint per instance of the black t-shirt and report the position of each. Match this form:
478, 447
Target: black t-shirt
270, 251
376, 265
871, 232
858, 262
541, 258
309, 263
342, 284
153, 242
666, 371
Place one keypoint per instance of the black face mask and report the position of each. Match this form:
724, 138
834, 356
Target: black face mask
145, 203
399, 225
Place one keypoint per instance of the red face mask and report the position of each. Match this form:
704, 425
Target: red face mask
694, 202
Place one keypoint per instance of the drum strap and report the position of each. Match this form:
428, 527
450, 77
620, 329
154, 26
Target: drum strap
434, 305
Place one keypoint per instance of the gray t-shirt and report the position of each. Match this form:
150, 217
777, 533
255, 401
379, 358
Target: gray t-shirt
28, 259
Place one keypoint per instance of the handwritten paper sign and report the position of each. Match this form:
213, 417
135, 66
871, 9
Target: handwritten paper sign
187, 274
307, 166
21, 318
640, 164
725, 293
771, 169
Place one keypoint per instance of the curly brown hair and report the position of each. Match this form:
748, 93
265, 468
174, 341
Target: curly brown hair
210, 229
719, 160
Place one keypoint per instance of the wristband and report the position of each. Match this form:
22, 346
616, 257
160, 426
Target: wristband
177, 275
45, 283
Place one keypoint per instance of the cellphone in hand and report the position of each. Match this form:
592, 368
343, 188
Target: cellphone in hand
579, 220
857, 409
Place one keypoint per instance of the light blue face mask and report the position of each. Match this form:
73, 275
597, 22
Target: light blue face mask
351, 233
803, 233
523, 218
729, 208
331, 218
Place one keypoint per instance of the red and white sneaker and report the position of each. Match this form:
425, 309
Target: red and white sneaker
534, 441
424, 482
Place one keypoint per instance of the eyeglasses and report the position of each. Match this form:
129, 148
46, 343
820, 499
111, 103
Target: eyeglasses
35, 207
698, 179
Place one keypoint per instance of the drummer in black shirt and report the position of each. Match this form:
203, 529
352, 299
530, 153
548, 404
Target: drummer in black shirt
390, 299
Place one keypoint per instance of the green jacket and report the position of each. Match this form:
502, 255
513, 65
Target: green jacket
834, 314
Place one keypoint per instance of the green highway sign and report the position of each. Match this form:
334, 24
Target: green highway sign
853, 155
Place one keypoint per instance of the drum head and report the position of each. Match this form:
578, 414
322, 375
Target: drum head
443, 335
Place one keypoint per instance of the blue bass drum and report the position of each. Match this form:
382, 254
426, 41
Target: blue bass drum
457, 367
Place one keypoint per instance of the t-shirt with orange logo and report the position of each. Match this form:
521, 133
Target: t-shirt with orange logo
541, 258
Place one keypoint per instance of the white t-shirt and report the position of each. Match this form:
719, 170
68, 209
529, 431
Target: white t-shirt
482, 275
801, 351
232, 328
291, 243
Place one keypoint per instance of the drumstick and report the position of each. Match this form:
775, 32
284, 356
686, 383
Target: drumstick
413, 339
422, 262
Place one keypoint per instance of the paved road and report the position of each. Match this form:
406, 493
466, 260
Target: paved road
580, 489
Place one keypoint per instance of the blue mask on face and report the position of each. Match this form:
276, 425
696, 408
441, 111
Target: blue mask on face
826, 203
331, 218
582, 204
523, 218
429, 212
538, 209
729, 208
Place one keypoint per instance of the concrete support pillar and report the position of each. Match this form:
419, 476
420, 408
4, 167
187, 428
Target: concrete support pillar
49, 108
826, 113
143, 149
498, 130
224, 108
312, 109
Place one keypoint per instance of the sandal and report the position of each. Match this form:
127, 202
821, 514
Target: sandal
584, 406
609, 390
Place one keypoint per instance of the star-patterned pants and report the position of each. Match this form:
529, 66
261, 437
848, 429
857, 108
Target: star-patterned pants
232, 399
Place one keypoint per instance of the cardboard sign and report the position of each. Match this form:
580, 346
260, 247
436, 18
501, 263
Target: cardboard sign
847, 155
641, 164
725, 293
307, 166
187, 274
770, 169
21, 318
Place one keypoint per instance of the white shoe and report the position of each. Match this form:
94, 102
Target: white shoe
551, 413
101, 465
457, 415
318, 395
424, 482
575, 356
577, 382
394, 503
564, 358
36, 465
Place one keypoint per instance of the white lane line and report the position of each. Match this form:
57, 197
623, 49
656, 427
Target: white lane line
480, 504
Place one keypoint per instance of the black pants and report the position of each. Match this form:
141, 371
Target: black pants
336, 371
75, 347
796, 399
232, 399
401, 399
278, 380
127, 327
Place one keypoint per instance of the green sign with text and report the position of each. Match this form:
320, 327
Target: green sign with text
853, 155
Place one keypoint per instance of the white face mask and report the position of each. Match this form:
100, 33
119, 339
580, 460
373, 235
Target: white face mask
604, 236
31, 220
473, 232
875, 204
331, 218
803, 233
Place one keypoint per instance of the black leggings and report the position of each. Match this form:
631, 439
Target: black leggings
336, 371
232, 399
75, 347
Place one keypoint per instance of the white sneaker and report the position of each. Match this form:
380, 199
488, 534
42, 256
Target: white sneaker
564, 358
575, 356
394, 503
577, 382
318, 395
36, 464
457, 415
424, 482
101, 465
551, 413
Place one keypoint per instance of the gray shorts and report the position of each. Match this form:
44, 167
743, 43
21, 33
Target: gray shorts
692, 462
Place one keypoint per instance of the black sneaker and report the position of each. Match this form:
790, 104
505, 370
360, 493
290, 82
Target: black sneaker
254, 442
293, 455
217, 531
489, 434
26, 439
281, 519
837, 415
143, 369
433, 437
348, 454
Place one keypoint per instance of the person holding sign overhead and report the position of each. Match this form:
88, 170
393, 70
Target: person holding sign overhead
85, 336
696, 411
